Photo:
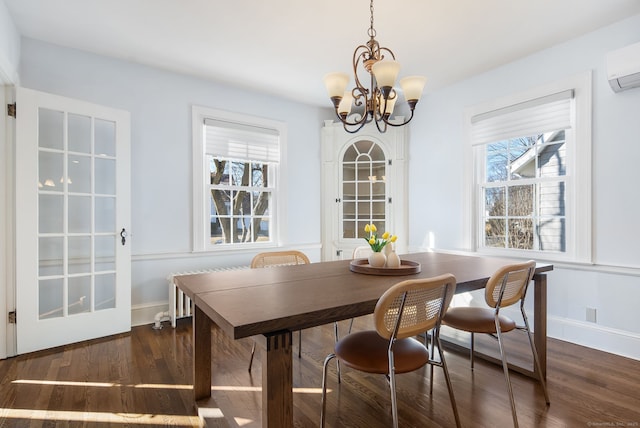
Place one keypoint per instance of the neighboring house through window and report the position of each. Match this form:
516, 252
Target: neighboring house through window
236, 169
532, 173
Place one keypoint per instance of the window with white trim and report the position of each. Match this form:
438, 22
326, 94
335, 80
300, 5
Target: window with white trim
532, 167
236, 167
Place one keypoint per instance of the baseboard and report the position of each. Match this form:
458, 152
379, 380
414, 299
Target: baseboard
614, 341
607, 339
145, 314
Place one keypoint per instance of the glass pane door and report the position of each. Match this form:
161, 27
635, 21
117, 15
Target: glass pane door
363, 188
72, 188
76, 217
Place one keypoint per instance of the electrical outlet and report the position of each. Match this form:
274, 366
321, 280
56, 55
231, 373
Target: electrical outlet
591, 314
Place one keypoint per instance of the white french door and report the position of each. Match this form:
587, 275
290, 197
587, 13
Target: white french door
73, 257
7, 331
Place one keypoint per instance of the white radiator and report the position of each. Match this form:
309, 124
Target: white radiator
180, 303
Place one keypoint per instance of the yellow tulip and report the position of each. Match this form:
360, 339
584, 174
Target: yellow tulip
385, 235
374, 229
367, 228
394, 238
372, 241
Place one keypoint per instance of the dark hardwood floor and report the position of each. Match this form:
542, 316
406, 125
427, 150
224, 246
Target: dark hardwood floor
143, 379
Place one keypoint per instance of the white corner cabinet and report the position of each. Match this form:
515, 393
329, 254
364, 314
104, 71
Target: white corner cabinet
364, 180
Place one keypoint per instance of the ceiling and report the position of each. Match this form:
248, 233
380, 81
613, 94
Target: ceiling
285, 47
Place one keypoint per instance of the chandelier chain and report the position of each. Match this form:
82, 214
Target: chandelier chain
372, 31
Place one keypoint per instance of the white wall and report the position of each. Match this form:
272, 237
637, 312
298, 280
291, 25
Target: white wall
436, 174
9, 47
160, 104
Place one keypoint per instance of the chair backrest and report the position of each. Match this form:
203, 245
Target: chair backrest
508, 285
362, 252
279, 258
423, 302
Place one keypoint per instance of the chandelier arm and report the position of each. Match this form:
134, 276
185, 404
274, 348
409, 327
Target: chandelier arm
398, 124
372, 103
376, 103
381, 49
358, 93
383, 129
359, 57
344, 125
363, 120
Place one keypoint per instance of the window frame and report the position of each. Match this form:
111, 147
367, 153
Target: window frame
201, 215
578, 163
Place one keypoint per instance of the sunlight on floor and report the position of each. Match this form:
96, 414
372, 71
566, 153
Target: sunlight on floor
210, 413
100, 384
156, 386
258, 389
141, 419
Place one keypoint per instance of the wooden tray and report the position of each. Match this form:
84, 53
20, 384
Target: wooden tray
406, 267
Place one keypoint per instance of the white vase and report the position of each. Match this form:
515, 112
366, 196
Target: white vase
393, 260
387, 249
377, 260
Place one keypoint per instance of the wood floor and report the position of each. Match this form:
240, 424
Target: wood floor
143, 379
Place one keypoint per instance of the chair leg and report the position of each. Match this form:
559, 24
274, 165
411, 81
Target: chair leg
324, 389
536, 359
335, 332
336, 335
431, 348
253, 351
472, 350
505, 368
448, 379
392, 387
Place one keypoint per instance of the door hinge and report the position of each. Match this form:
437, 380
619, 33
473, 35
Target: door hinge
390, 200
390, 162
11, 110
12, 317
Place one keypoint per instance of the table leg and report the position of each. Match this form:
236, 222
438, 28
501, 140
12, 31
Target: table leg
201, 354
540, 320
277, 381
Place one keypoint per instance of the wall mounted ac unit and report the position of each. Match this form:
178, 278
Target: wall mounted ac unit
623, 68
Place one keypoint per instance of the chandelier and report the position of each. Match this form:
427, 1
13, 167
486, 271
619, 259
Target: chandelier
375, 103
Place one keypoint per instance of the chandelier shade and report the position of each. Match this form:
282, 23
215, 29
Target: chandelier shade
336, 84
412, 86
386, 73
375, 102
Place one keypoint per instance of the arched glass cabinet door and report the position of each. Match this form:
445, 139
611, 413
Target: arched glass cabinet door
363, 179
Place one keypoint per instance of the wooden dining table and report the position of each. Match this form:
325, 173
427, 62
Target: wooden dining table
269, 304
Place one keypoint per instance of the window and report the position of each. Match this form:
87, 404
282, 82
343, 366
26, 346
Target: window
523, 193
236, 168
532, 161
